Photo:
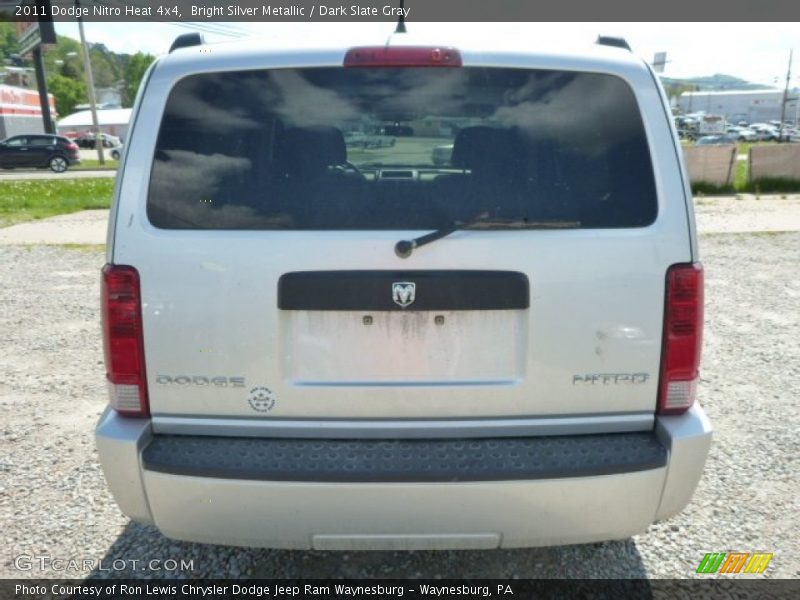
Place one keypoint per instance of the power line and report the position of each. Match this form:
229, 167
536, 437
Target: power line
212, 28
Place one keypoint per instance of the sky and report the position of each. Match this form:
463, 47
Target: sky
757, 52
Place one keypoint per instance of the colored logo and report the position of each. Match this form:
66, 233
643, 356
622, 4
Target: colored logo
734, 562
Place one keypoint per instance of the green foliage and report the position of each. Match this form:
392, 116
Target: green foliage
37, 199
64, 61
105, 66
134, 71
68, 93
8, 40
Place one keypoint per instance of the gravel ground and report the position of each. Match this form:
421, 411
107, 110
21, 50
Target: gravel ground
745, 213
54, 502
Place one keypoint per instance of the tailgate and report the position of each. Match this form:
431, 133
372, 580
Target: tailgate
265, 243
558, 340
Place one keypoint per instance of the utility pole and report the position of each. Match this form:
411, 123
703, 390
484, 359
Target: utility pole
41, 84
32, 37
785, 97
87, 65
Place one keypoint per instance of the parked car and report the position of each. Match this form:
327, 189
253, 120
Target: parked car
715, 140
85, 140
311, 348
398, 130
765, 132
742, 134
38, 151
358, 139
88, 140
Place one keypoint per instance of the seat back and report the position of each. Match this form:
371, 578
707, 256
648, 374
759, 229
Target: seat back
311, 189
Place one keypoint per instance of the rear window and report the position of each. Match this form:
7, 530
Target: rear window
401, 148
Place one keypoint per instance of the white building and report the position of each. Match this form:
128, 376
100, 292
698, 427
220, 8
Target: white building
753, 106
112, 121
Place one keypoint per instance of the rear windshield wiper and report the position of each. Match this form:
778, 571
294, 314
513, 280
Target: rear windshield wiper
404, 248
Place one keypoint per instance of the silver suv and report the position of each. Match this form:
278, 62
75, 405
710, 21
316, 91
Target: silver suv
316, 345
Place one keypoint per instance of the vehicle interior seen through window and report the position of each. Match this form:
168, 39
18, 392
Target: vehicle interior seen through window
403, 149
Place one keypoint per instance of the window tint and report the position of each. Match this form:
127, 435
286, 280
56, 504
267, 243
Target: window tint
400, 148
41, 141
17, 141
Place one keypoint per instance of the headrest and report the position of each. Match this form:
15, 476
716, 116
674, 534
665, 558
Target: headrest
311, 149
484, 147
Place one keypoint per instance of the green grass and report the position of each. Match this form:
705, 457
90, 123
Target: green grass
740, 175
94, 164
773, 185
741, 184
37, 199
701, 188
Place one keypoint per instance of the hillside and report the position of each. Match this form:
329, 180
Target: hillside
716, 82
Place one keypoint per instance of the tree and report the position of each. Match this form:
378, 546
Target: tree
103, 68
8, 40
134, 71
66, 53
68, 93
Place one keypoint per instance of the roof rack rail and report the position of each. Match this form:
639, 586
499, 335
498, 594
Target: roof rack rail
617, 42
186, 40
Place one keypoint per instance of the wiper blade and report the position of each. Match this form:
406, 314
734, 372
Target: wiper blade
404, 248
522, 224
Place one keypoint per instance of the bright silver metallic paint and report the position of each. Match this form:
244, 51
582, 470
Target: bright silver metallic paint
233, 275
596, 307
403, 516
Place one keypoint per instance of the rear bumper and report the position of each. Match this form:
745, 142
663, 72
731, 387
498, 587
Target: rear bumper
260, 503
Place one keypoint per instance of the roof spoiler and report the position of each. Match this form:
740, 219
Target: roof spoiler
187, 40
607, 40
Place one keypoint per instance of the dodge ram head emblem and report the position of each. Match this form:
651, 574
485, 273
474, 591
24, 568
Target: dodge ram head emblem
403, 292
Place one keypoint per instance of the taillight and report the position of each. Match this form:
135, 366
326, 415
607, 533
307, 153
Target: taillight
72, 147
123, 342
683, 338
408, 56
